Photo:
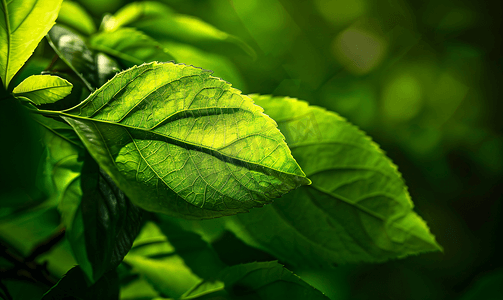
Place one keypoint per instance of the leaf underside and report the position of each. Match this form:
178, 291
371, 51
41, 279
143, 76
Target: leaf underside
182, 142
357, 208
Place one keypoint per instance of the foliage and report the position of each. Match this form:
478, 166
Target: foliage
136, 162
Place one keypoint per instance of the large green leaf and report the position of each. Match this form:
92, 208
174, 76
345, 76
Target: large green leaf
23, 23
259, 280
357, 208
161, 22
179, 141
129, 45
103, 225
42, 89
74, 15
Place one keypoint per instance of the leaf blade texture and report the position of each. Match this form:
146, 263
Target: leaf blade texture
22, 25
43, 89
182, 142
357, 208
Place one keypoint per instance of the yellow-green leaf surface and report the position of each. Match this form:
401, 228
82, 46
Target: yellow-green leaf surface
74, 15
129, 45
357, 207
23, 23
42, 89
178, 141
161, 22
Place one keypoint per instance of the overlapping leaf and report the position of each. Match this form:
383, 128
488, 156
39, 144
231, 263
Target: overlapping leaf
42, 89
131, 46
357, 208
104, 222
182, 142
22, 25
160, 22
93, 69
260, 280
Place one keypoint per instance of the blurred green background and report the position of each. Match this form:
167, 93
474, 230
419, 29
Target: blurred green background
423, 78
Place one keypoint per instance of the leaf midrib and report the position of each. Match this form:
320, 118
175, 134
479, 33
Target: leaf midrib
174, 139
7, 24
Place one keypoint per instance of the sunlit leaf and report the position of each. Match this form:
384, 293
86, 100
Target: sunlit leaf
129, 45
22, 25
159, 21
357, 208
185, 143
42, 89
75, 16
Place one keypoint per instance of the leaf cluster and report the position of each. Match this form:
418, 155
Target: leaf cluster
129, 165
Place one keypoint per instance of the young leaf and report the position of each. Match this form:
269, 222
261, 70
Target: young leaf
73, 286
178, 141
22, 25
357, 208
43, 89
129, 45
259, 280
159, 21
75, 16
104, 225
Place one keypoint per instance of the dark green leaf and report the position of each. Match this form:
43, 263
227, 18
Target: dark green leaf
260, 280
18, 160
357, 208
73, 286
72, 49
182, 142
42, 89
104, 224
155, 259
130, 46
159, 21
75, 16
22, 25
93, 69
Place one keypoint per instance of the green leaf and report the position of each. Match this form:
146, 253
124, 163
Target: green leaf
42, 89
155, 259
22, 25
93, 69
75, 16
73, 286
178, 141
161, 22
104, 223
357, 208
129, 45
222, 66
259, 280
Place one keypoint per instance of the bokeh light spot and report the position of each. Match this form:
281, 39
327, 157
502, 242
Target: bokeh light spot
358, 50
402, 98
